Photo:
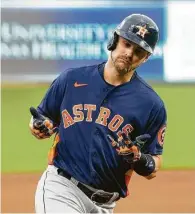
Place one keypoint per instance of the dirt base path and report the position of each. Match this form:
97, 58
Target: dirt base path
170, 191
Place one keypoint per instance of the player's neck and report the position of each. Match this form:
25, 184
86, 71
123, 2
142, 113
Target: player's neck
112, 76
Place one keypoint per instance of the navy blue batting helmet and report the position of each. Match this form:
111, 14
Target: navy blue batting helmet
136, 28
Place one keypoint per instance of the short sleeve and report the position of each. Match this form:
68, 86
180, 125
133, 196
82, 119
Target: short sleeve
156, 128
50, 104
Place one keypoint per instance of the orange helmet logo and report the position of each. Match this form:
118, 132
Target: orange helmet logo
142, 30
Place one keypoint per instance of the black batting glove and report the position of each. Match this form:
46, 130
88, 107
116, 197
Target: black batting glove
40, 126
130, 150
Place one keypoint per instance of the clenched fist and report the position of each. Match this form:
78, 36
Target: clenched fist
40, 126
129, 149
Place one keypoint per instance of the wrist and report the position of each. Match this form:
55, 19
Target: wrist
145, 165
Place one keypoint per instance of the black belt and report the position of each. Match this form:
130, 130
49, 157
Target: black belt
98, 196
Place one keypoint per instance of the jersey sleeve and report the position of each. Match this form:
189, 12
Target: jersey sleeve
156, 128
50, 104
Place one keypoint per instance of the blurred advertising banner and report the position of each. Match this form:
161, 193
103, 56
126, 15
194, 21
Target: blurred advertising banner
39, 43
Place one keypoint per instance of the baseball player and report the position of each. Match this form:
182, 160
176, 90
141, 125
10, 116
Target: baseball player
108, 123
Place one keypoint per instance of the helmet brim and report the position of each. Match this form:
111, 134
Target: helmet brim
135, 39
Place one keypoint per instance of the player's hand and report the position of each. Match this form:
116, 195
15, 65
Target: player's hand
40, 126
129, 149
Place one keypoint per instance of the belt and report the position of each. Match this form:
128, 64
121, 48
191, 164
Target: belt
98, 196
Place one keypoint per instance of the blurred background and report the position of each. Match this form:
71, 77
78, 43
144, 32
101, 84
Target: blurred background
40, 39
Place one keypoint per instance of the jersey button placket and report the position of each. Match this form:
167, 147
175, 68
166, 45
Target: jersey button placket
106, 92
94, 157
93, 173
105, 100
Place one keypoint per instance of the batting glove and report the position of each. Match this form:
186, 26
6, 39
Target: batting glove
40, 126
130, 150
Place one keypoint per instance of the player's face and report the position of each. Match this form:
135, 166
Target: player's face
127, 56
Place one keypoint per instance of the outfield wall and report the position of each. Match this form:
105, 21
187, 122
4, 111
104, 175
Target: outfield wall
38, 41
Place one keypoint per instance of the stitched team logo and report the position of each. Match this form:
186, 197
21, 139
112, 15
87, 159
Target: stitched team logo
140, 30
161, 135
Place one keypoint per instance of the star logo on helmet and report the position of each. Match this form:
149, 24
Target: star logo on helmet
142, 30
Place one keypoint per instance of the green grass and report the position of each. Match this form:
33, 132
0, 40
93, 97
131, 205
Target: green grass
21, 152
179, 147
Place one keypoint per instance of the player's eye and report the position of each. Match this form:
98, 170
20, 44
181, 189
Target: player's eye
127, 45
140, 52
137, 51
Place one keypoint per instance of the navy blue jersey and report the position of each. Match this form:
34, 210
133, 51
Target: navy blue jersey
87, 109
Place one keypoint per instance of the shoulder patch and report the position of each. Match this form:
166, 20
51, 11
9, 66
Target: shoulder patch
161, 135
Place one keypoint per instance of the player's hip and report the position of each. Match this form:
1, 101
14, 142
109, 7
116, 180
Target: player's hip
55, 185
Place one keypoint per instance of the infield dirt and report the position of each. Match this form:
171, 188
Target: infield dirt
170, 192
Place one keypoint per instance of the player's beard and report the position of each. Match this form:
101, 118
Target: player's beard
122, 65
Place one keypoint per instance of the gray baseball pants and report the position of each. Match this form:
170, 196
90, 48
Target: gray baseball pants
57, 194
